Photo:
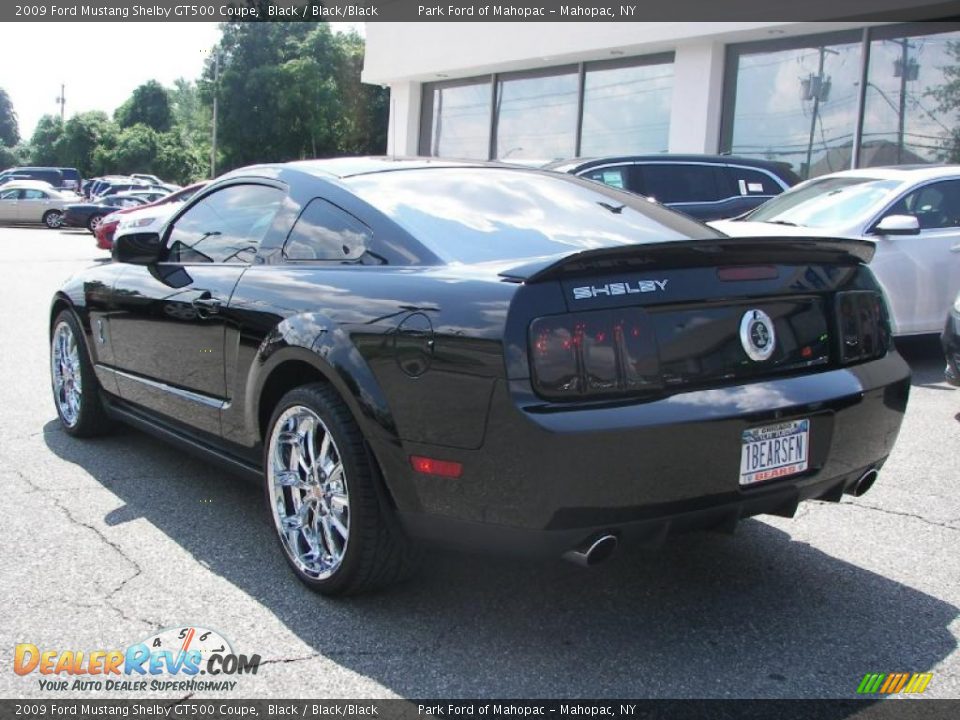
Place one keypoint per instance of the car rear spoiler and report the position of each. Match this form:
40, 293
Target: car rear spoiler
695, 253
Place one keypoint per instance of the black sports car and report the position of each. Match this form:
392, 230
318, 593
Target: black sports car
483, 355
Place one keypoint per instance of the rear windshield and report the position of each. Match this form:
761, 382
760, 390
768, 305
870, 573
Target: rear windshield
473, 215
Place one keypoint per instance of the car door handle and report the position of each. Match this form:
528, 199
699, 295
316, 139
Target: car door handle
207, 305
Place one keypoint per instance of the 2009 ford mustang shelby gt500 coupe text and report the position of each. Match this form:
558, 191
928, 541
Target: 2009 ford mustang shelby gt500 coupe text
491, 356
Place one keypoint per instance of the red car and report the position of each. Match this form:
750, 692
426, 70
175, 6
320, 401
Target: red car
108, 227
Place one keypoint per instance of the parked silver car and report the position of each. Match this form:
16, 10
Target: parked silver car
28, 201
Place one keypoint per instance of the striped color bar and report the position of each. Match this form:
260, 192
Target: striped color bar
890, 683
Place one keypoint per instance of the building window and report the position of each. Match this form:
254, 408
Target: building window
794, 101
456, 119
626, 107
536, 115
595, 108
912, 103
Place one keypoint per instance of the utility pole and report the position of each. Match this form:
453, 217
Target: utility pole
216, 87
62, 101
817, 91
906, 73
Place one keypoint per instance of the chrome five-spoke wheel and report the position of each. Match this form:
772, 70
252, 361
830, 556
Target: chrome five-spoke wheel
309, 492
66, 373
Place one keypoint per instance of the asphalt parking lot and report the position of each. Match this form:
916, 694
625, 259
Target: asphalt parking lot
106, 542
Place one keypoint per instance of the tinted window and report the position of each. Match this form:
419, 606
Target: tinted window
680, 183
475, 215
226, 226
936, 205
753, 182
325, 232
612, 176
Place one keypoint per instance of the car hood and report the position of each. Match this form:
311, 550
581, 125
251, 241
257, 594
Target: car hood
745, 228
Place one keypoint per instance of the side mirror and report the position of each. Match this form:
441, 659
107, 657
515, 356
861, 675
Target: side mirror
137, 248
897, 225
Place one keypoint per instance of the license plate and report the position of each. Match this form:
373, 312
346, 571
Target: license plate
774, 451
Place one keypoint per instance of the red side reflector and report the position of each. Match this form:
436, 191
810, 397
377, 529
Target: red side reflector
751, 272
441, 468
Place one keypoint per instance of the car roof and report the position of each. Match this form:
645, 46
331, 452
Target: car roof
902, 173
29, 185
350, 166
585, 163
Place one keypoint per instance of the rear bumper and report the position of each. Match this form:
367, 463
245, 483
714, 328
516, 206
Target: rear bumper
548, 478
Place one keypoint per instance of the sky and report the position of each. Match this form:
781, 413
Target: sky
100, 63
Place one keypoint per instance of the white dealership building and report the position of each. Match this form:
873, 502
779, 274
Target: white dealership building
820, 96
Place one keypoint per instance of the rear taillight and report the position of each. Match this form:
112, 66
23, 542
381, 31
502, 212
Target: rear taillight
593, 354
863, 324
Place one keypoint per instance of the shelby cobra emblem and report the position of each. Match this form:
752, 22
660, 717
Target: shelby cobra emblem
757, 335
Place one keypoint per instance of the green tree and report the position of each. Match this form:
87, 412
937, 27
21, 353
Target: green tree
148, 105
178, 161
191, 117
9, 157
292, 90
83, 135
47, 140
365, 108
134, 150
9, 129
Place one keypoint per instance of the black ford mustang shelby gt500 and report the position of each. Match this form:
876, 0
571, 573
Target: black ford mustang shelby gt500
492, 356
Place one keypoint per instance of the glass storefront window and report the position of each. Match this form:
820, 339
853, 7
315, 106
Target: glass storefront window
795, 102
537, 115
459, 120
626, 108
912, 108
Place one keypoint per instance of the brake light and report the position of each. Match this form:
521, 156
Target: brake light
432, 466
864, 325
593, 354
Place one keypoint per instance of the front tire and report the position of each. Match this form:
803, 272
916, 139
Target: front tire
76, 392
53, 219
323, 494
94, 222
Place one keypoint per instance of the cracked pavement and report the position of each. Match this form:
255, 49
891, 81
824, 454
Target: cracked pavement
108, 541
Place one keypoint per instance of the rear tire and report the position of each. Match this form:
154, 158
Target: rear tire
76, 391
53, 219
323, 493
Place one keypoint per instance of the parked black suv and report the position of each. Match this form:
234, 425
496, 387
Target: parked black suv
707, 187
52, 175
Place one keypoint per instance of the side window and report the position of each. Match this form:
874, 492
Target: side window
753, 182
677, 183
9, 194
936, 205
34, 195
613, 176
226, 226
325, 232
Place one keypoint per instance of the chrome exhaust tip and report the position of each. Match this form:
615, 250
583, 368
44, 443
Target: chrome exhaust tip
864, 483
593, 552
